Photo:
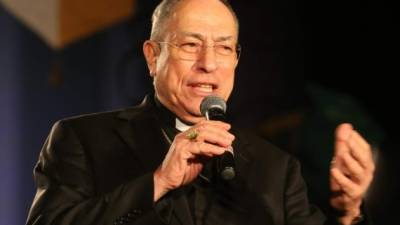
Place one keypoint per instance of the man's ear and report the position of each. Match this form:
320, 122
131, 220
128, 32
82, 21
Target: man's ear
151, 53
237, 62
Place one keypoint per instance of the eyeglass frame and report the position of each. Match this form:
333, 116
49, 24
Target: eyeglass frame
237, 50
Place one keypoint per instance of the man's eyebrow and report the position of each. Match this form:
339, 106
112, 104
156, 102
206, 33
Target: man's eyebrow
202, 38
225, 38
192, 34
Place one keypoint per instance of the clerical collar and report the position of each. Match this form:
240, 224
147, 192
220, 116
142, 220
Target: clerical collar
168, 118
181, 126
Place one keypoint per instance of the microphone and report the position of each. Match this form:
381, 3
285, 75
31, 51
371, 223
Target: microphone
214, 108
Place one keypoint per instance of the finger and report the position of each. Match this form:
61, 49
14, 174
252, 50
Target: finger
342, 134
207, 133
341, 147
360, 140
218, 137
203, 148
347, 186
214, 134
354, 168
213, 125
194, 166
192, 171
361, 154
216, 123
334, 185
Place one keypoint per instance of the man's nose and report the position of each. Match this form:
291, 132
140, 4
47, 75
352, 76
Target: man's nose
207, 60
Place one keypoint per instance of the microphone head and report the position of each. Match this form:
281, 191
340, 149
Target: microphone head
212, 102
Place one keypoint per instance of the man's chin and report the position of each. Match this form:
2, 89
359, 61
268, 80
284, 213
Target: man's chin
191, 117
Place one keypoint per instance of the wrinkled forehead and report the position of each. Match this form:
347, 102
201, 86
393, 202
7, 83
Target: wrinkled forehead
209, 19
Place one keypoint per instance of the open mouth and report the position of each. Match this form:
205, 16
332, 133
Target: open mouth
203, 88
207, 88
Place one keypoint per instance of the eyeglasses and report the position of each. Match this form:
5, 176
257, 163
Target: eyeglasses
192, 50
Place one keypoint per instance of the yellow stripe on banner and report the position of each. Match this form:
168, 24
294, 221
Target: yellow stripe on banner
80, 19
62, 22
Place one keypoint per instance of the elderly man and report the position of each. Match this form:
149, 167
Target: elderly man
153, 163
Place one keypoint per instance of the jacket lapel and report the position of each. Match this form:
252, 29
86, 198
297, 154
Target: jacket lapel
141, 131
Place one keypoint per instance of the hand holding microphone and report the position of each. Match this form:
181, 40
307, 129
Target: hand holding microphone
185, 158
214, 108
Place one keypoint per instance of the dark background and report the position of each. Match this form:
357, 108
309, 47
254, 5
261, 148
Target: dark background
348, 46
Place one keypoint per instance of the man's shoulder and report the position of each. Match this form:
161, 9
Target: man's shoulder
126, 113
93, 117
86, 123
103, 119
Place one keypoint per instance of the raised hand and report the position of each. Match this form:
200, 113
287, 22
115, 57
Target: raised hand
352, 171
184, 160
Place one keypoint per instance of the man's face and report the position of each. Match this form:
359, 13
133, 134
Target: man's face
182, 79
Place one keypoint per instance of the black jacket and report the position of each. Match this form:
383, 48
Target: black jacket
98, 170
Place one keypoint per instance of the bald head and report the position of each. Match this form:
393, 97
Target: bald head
167, 8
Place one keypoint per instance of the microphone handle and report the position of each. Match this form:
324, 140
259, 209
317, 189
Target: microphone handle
226, 165
225, 162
